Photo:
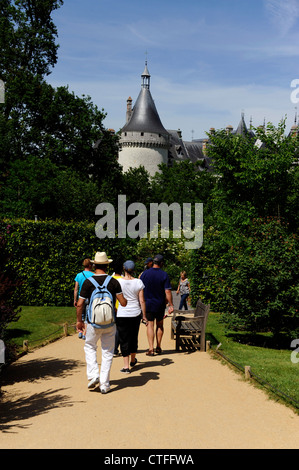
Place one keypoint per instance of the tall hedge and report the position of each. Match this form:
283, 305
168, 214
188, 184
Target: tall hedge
9, 307
251, 276
47, 255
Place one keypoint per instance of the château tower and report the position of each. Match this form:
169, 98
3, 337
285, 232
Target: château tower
144, 141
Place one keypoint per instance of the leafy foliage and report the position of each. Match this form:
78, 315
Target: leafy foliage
52, 130
9, 282
47, 255
27, 40
248, 266
182, 182
261, 284
254, 176
37, 187
254, 278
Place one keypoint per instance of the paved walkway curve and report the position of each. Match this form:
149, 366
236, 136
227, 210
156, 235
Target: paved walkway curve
172, 401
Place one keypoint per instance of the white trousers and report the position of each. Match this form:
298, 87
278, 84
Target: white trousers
107, 336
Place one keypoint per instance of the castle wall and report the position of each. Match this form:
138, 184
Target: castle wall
150, 158
143, 149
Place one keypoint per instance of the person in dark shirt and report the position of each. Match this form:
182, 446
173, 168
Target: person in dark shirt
157, 293
147, 265
107, 335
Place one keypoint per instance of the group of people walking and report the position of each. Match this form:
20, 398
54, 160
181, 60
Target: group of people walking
136, 300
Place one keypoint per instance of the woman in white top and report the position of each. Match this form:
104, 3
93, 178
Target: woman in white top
129, 317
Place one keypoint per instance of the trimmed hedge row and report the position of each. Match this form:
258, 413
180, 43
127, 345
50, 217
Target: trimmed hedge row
47, 255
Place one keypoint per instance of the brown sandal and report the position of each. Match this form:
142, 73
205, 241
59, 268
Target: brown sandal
150, 352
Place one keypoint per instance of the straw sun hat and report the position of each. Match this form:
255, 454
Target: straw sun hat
101, 258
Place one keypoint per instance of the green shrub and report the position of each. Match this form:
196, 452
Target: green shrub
47, 255
253, 281
9, 282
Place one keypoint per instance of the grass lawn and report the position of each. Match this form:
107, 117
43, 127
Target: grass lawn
37, 324
273, 366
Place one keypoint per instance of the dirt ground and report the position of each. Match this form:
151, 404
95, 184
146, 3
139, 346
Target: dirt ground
171, 401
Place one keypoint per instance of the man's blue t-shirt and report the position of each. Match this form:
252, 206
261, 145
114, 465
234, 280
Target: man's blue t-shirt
156, 281
81, 277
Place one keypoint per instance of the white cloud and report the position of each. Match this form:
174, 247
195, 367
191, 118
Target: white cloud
284, 13
197, 106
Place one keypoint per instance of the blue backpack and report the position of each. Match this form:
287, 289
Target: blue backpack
100, 312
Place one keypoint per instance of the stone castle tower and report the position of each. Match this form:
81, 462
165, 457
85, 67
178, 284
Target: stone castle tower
144, 141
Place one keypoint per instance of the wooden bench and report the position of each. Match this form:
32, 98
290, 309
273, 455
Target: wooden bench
188, 327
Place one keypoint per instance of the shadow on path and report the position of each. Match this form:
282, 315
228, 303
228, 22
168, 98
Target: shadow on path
139, 380
15, 408
37, 369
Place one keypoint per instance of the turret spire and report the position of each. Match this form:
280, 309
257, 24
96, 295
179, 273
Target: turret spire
146, 77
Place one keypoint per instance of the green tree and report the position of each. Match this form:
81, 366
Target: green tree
254, 176
182, 182
259, 277
247, 267
27, 37
136, 185
28, 51
46, 124
38, 187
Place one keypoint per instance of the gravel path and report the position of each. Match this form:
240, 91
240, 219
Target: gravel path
172, 401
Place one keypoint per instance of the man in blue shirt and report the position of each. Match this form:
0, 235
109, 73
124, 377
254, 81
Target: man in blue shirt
157, 294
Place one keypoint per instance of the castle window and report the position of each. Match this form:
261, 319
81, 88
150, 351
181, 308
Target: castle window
142, 133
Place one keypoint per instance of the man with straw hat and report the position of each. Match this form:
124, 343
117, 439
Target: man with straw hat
107, 335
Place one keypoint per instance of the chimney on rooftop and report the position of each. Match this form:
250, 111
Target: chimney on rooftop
129, 108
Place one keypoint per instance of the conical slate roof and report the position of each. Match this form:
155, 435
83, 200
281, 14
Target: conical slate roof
242, 128
145, 117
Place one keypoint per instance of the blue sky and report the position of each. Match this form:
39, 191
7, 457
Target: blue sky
209, 60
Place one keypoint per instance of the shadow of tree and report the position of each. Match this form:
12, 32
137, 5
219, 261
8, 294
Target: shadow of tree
15, 410
261, 340
36, 369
